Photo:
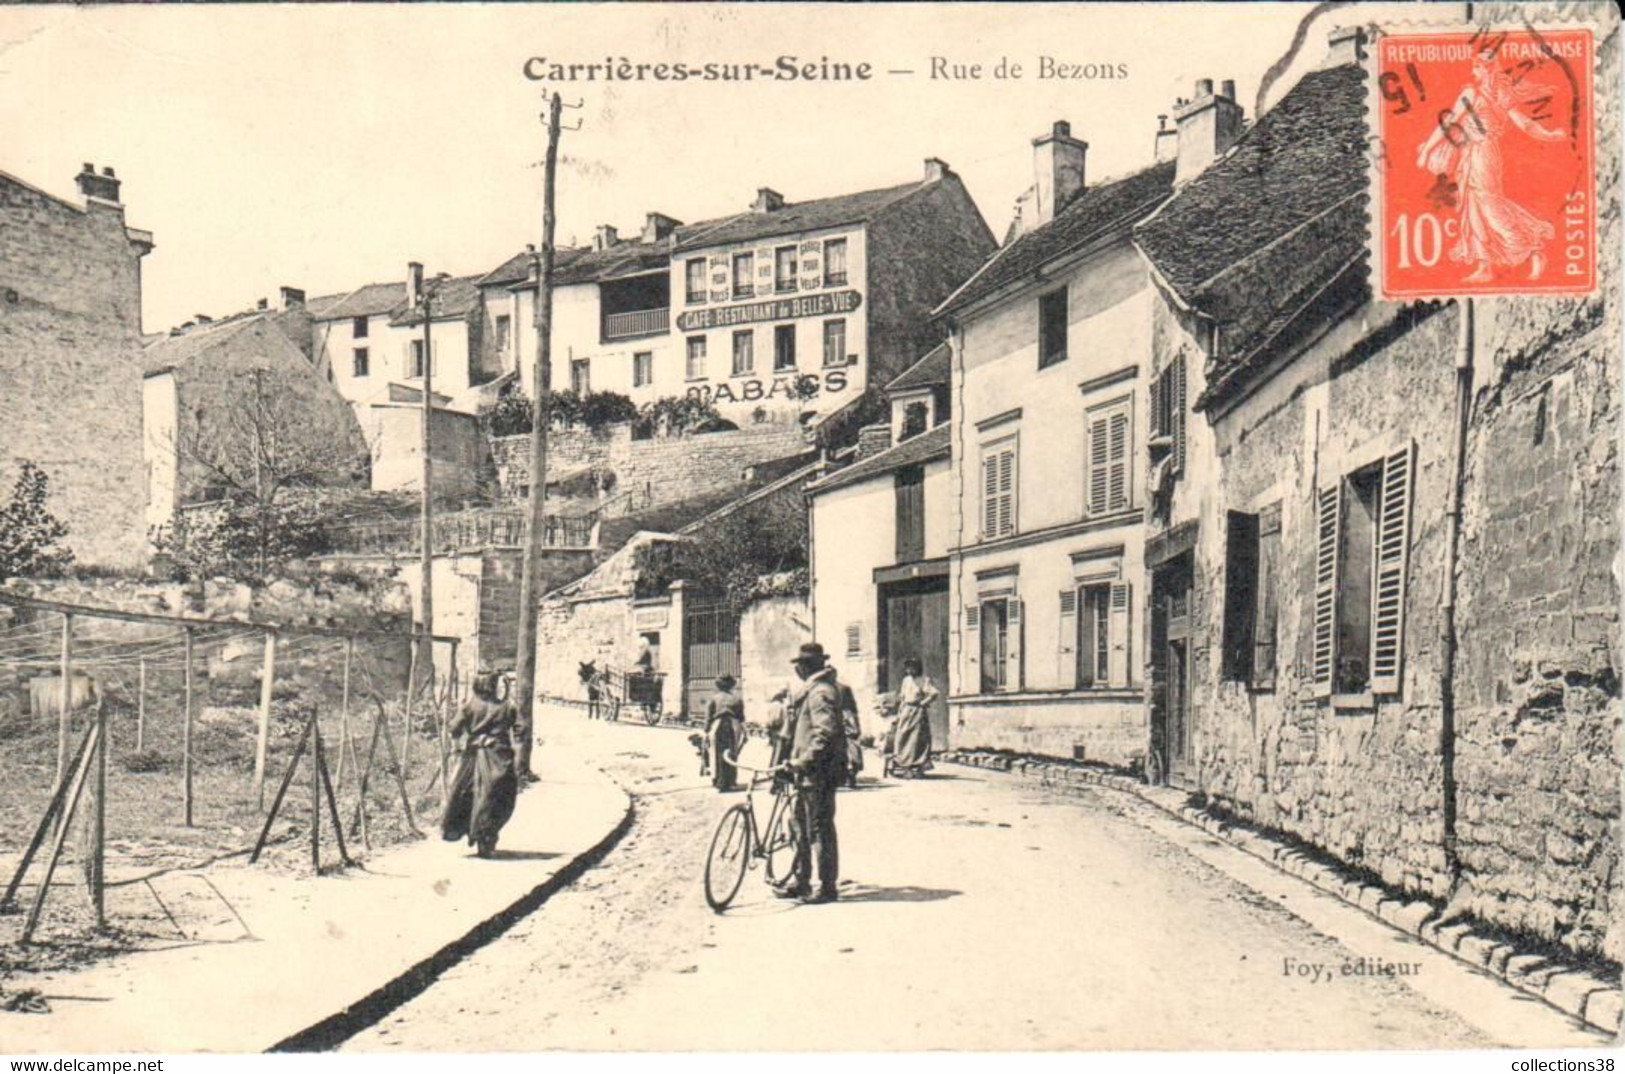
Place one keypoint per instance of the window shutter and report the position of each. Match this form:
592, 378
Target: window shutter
1327, 532
1178, 416
1016, 627
854, 639
1264, 619
1158, 425
990, 496
1117, 465
1119, 670
1393, 543
1007, 491
1240, 594
1099, 465
973, 617
1064, 652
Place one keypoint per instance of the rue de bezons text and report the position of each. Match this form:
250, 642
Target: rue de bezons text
823, 69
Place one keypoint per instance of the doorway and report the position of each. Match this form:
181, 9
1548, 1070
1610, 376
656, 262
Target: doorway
914, 623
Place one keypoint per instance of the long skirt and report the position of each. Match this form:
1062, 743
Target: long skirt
911, 746
725, 743
482, 795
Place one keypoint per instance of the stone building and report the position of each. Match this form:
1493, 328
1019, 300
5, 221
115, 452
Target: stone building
1384, 608
1049, 345
70, 359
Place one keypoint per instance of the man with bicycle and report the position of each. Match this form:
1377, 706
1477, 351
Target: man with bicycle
817, 736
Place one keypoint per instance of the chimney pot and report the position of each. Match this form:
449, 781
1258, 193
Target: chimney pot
1227, 88
88, 167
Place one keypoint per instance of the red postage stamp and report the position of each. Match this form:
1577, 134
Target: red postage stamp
1485, 176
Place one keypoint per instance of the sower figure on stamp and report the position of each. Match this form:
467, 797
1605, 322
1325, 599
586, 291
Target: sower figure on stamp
481, 797
818, 764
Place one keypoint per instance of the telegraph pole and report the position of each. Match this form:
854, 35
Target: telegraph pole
418, 296
536, 520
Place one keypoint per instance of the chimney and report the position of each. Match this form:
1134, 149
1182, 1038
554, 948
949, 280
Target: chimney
936, 170
657, 226
1057, 171
202, 318
1208, 125
767, 200
604, 236
872, 440
1345, 44
292, 297
263, 304
1167, 140
103, 187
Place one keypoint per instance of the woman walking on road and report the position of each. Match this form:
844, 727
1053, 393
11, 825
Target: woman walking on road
725, 727
482, 792
911, 747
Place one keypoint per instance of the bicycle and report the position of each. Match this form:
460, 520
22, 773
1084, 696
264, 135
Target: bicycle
737, 841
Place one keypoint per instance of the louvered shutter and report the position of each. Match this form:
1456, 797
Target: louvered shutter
1117, 464
1159, 424
1240, 594
1007, 491
1177, 404
1264, 619
1393, 543
1327, 532
1065, 656
1015, 632
973, 617
1120, 639
1099, 465
990, 496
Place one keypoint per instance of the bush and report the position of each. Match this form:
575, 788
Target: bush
30, 536
148, 760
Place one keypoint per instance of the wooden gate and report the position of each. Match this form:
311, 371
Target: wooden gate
710, 649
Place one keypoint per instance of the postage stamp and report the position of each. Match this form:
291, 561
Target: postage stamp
1485, 183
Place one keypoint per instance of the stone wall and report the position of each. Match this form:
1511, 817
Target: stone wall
770, 633
70, 364
1538, 714
673, 468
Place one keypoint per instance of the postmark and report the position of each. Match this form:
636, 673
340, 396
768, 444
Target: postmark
1484, 176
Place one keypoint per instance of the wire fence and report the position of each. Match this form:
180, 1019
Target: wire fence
132, 744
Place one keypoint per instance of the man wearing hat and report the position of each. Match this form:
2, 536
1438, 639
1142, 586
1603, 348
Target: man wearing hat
818, 763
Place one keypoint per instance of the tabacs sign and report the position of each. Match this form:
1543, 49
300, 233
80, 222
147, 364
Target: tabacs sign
782, 309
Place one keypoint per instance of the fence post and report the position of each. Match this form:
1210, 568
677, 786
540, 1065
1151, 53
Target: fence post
97, 864
266, 680
187, 717
141, 705
65, 698
344, 708
411, 695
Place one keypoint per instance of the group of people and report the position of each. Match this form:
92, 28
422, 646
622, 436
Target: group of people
816, 738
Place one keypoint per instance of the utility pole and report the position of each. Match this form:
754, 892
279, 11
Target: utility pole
419, 295
536, 519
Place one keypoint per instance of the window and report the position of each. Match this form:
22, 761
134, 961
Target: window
643, 369
744, 352
854, 639
1095, 632
997, 620
784, 269
1252, 559
359, 362
1052, 328
1362, 540
744, 267
784, 347
358, 327
910, 514
1168, 414
835, 263
502, 325
414, 358
581, 376
694, 270
915, 416
696, 358
1110, 451
835, 343
999, 490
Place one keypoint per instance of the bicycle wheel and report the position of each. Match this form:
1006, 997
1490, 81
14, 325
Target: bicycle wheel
779, 845
728, 858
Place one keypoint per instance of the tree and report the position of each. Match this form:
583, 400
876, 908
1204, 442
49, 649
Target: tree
30, 536
733, 555
253, 451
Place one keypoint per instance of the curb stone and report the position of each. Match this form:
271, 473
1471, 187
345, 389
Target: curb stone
1577, 992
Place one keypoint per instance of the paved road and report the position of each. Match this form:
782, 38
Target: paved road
977, 914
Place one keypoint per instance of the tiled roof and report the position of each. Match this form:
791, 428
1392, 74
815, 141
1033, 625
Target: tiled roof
1274, 231
794, 217
175, 349
631, 258
454, 297
928, 372
931, 444
517, 268
367, 301
1095, 212
1299, 159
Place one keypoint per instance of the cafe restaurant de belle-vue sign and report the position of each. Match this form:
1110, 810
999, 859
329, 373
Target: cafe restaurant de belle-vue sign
779, 309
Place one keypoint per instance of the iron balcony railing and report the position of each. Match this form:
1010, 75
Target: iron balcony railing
634, 324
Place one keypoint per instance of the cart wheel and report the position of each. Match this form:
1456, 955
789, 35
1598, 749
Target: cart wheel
728, 858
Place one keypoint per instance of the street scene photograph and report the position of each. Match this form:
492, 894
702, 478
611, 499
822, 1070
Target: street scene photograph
623, 528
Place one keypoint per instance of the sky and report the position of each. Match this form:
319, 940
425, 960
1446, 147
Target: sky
324, 147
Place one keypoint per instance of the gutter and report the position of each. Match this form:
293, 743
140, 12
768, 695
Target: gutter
1465, 347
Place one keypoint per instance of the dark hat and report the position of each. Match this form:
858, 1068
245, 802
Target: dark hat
726, 682
810, 651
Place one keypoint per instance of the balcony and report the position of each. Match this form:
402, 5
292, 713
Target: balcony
618, 326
